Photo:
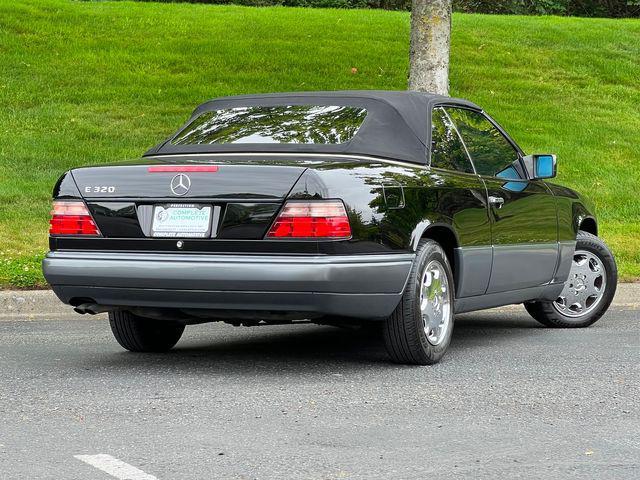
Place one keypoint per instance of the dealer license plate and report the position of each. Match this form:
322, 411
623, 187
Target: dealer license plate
193, 221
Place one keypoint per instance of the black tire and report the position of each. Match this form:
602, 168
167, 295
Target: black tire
139, 334
547, 314
403, 332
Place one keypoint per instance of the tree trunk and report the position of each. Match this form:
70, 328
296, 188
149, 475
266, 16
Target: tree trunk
430, 41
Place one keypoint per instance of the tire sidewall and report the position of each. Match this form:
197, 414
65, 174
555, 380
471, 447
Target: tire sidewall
432, 251
594, 245
140, 334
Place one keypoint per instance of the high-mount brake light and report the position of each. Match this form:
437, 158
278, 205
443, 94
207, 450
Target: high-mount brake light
182, 168
316, 219
71, 218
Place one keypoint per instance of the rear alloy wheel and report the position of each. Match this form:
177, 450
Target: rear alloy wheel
419, 331
139, 334
588, 291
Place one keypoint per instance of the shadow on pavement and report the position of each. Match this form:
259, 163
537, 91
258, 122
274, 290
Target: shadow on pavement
292, 348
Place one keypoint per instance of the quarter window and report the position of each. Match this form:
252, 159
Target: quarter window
447, 150
491, 152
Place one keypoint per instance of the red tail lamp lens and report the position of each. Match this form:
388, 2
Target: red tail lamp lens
72, 218
321, 219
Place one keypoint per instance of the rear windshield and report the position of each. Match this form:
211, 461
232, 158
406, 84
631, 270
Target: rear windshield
277, 124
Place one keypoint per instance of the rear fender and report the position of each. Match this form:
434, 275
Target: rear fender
66, 188
424, 226
374, 199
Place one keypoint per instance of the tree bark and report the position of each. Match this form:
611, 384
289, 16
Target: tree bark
430, 42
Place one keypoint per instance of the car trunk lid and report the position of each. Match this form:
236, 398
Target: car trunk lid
224, 200
180, 181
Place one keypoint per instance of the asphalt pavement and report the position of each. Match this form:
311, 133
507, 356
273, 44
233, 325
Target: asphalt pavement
510, 400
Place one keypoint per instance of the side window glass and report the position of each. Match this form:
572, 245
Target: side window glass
491, 152
447, 151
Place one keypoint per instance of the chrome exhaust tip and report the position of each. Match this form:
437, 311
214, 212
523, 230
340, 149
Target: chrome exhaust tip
91, 308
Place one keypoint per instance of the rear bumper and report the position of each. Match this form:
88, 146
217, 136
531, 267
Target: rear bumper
364, 286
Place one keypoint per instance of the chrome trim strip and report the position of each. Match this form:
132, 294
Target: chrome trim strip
289, 154
392, 258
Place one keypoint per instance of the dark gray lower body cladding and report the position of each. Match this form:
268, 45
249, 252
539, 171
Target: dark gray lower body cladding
490, 300
362, 286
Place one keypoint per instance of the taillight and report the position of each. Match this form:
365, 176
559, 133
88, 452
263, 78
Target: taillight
319, 219
71, 218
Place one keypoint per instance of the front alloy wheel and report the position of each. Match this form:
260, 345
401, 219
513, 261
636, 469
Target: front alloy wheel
585, 288
588, 291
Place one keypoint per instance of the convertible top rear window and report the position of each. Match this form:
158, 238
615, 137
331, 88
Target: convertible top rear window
301, 124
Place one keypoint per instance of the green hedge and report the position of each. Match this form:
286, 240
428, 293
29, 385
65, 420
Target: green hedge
577, 8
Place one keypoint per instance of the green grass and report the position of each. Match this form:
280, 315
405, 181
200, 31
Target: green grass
96, 82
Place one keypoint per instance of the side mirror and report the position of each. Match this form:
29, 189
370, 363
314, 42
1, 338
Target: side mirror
540, 165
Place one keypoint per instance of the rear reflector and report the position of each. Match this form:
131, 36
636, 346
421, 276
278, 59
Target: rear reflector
183, 168
71, 218
320, 219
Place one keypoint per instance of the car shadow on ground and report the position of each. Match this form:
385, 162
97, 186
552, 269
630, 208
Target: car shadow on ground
279, 349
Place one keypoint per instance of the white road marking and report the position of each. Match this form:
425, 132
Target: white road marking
114, 467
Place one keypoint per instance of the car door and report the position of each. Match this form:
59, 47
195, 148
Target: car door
524, 227
463, 199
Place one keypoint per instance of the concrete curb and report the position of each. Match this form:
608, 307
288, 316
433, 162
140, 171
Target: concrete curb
44, 305
32, 305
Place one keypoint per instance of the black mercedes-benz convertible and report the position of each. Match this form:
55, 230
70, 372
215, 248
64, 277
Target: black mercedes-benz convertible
351, 207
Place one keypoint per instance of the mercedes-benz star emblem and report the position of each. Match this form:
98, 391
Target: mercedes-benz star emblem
180, 184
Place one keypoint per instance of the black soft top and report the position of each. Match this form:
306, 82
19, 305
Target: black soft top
397, 125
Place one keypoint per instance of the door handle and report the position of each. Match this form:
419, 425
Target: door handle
497, 202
